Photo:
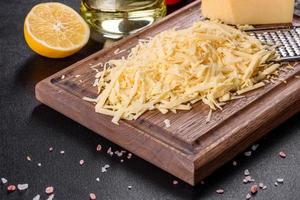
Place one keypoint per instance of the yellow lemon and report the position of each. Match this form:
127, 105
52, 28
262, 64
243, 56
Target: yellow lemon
55, 30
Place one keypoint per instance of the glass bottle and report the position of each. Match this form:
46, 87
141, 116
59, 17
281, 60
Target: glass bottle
115, 19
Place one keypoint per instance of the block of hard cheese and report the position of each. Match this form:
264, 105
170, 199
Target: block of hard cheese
249, 11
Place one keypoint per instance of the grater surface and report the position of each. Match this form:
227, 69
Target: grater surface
287, 39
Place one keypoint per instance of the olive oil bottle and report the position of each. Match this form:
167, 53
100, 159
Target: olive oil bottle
115, 19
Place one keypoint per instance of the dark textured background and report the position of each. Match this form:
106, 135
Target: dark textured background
29, 128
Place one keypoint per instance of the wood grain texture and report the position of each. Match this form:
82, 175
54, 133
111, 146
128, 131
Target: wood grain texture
190, 149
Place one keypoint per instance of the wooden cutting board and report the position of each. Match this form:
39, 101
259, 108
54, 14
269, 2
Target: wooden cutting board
190, 149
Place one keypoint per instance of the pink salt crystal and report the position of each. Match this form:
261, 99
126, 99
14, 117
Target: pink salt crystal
11, 188
220, 191
81, 162
253, 189
98, 148
92, 196
49, 190
282, 154
28, 158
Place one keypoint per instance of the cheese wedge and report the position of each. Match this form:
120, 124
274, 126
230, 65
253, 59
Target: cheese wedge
249, 11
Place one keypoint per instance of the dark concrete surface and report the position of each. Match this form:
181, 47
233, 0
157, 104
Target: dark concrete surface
29, 128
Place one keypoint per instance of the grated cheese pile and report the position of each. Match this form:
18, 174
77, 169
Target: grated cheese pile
208, 62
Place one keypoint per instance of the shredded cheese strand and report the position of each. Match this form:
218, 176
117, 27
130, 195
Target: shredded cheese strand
176, 68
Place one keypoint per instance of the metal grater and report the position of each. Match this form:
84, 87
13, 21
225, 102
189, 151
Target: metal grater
288, 39
297, 8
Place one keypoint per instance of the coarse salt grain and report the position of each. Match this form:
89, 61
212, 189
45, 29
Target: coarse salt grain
51, 197
50, 149
248, 179
11, 188
129, 187
282, 154
97, 179
254, 147
119, 153
248, 153
276, 184
62, 152
261, 185
246, 172
98, 148
253, 189
63, 77
28, 158
49, 190
3, 180
39, 164
234, 163
220, 191
22, 186
175, 182
110, 152
36, 197
248, 196
121, 160
280, 180
129, 155
265, 187
167, 123
92, 196
81, 162
104, 168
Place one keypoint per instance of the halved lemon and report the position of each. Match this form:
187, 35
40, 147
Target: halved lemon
55, 30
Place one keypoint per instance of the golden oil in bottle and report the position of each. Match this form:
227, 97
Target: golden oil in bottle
115, 19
